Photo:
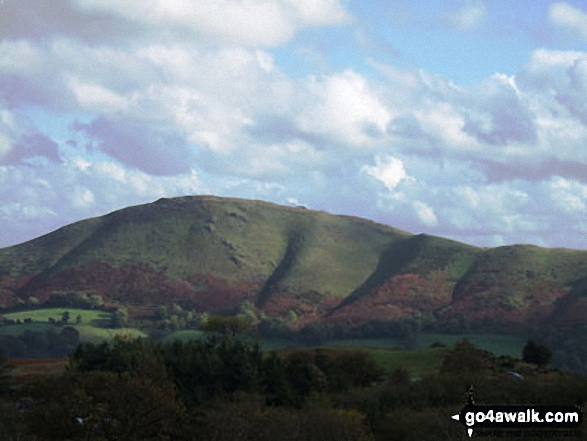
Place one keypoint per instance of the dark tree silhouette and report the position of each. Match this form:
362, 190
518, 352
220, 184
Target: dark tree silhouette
536, 353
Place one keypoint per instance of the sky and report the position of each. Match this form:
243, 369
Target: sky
465, 119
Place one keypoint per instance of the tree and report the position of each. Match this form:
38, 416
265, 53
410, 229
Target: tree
536, 353
119, 318
464, 358
96, 300
105, 405
5, 379
224, 325
33, 302
65, 317
162, 312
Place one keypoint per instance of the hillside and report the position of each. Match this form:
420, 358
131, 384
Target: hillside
214, 253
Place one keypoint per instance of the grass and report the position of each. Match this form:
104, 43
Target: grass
417, 362
498, 344
241, 242
188, 334
17, 330
93, 328
388, 343
91, 317
25, 369
91, 334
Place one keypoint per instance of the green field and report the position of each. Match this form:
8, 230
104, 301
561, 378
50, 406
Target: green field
188, 334
20, 329
92, 334
91, 317
498, 344
93, 328
417, 362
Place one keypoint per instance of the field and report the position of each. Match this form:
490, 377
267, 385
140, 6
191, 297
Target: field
93, 328
498, 344
417, 362
19, 329
92, 334
188, 334
89, 317
421, 360
26, 369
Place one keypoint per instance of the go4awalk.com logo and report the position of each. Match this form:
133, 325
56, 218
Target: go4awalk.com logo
522, 421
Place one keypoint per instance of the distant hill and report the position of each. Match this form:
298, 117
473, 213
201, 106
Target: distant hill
215, 253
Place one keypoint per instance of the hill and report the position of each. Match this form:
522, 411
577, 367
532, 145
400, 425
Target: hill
216, 253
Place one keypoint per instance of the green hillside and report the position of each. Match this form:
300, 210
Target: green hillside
214, 253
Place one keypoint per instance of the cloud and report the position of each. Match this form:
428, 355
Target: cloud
248, 23
21, 143
425, 213
171, 102
570, 196
499, 115
139, 144
40, 21
346, 109
389, 171
245, 23
31, 145
470, 16
37, 200
569, 18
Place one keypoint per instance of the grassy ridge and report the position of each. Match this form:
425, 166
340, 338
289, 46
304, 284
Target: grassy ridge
291, 259
226, 238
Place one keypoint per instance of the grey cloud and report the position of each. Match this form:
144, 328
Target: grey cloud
509, 121
32, 145
419, 142
574, 97
41, 20
499, 172
18, 90
274, 129
151, 149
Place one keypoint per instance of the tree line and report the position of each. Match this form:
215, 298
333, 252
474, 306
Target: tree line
225, 388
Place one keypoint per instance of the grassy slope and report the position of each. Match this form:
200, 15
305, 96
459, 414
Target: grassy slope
284, 249
89, 317
225, 238
93, 327
417, 361
422, 255
524, 277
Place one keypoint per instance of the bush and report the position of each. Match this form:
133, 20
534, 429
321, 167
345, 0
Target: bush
536, 353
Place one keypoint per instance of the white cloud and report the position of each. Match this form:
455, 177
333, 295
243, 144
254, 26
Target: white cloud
568, 17
247, 23
568, 195
425, 213
468, 17
110, 170
171, 116
5, 144
82, 197
389, 171
96, 98
346, 109
21, 57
